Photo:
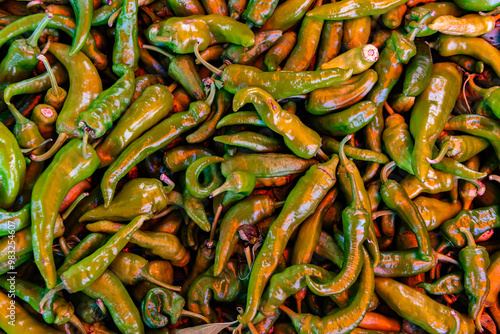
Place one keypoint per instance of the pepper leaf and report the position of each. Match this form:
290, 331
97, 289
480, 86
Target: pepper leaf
205, 329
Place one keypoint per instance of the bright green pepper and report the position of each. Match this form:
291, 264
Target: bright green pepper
12, 168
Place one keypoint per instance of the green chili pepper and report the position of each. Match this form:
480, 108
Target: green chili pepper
359, 59
55, 95
469, 64
330, 42
305, 48
436, 182
86, 247
154, 104
422, 310
346, 319
14, 221
48, 194
254, 141
433, 107
330, 145
355, 220
182, 34
477, 221
219, 109
448, 284
338, 96
238, 54
165, 245
151, 141
241, 118
476, 5
67, 24
121, 307
439, 8
126, 48
356, 32
248, 211
225, 288
83, 16
435, 212
352, 9
347, 121
419, 70
204, 259
393, 18
131, 268
281, 84
396, 198
300, 139
301, 203
258, 12
109, 105
45, 117
180, 157
193, 172
287, 15
491, 96
476, 47
23, 321
280, 50
85, 86
88, 309
475, 261
471, 25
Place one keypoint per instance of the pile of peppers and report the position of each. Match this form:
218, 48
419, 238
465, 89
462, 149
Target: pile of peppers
249, 166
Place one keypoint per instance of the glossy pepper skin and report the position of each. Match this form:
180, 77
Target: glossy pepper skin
398, 142
330, 146
420, 309
478, 5
299, 138
87, 246
258, 12
24, 321
153, 105
158, 303
300, 204
238, 54
182, 34
355, 221
471, 25
48, 194
353, 9
433, 106
346, 319
329, 42
448, 284
396, 199
150, 142
287, 15
126, 49
248, 211
12, 168
477, 221
280, 50
419, 70
83, 10
464, 147
14, 220
137, 197
491, 96
475, 261
435, 212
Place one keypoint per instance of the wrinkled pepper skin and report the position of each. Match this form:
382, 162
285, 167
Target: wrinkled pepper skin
12, 168
68, 167
430, 113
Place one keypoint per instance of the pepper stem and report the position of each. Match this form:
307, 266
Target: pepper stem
113, 17
227, 186
52, 77
441, 155
494, 178
64, 245
421, 25
211, 96
378, 214
20, 119
33, 39
278, 204
195, 315
470, 239
205, 63
172, 87
165, 179
386, 171
101, 306
49, 297
463, 92
322, 155
153, 280
481, 189
252, 328
73, 205
77, 323
342, 155
389, 109
53, 150
164, 212
443, 258
476, 88
157, 49
29, 150
214, 224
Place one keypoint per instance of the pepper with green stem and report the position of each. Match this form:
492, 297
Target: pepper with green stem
299, 138
446, 285
355, 221
398, 51
153, 140
193, 172
281, 84
300, 204
475, 261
